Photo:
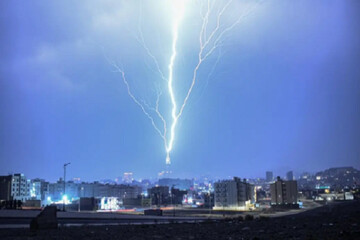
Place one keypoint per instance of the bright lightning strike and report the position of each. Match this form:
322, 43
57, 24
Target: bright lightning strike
180, 8
209, 40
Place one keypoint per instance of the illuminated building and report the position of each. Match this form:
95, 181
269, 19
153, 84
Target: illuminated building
109, 203
128, 177
234, 195
56, 190
339, 178
35, 190
348, 196
283, 192
20, 189
14, 187
39, 188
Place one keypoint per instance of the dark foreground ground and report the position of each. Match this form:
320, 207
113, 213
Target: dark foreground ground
335, 221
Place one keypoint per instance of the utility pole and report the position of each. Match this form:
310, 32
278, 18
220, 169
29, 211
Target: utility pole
64, 186
172, 199
209, 203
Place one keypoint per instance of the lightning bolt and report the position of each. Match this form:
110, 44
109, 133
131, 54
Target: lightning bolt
209, 41
180, 6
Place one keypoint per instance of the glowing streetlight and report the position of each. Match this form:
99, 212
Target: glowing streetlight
65, 198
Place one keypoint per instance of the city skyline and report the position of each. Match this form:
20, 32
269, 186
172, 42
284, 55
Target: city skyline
283, 96
123, 178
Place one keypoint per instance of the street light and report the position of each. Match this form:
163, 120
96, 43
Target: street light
64, 199
172, 199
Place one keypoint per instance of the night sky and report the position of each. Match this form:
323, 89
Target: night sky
282, 93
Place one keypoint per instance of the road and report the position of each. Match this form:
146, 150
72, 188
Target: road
22, 218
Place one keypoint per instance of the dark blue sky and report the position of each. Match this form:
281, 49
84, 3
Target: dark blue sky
285, 94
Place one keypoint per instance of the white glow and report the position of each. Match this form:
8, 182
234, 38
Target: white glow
179, 8
65, 199
109, 203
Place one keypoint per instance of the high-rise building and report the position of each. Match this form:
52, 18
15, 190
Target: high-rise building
39, 188
14, 187
159, 195
289, 175
20, 187
87, 190
283, 192
56, 190
177, 195
234, 194
5, 187
269, 176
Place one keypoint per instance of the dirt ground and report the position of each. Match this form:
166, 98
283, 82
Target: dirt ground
333, 221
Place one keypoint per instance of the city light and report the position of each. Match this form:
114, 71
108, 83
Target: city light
65, 199
109, 203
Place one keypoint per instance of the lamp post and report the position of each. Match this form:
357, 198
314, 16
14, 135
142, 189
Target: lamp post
210, 203
64, 196
172, 199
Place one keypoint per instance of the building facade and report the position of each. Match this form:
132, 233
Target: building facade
20, 187
159, 195
14, 187
39, 189
234, 195
283, 192
89, 190
5, 188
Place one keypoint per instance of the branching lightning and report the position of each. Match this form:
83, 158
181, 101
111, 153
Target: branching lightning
209, 41
175, 116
